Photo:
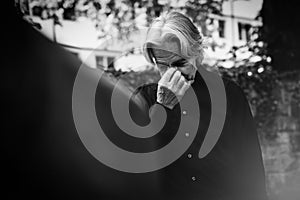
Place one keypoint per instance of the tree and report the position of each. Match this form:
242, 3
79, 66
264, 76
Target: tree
199, 10
281, 32
118, 16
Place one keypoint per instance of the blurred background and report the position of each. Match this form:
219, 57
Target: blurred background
252, 42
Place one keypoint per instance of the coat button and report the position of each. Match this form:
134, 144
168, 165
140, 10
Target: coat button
189, 155
193, 178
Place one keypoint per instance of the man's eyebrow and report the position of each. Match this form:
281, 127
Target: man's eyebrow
162, 63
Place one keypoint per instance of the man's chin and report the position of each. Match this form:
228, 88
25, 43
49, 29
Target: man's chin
188, 77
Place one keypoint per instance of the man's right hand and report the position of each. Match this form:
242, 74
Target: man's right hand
171, 88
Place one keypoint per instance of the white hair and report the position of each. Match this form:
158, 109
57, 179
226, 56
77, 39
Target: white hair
174, 27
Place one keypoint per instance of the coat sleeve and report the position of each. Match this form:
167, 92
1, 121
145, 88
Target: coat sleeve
145, 96
250, 174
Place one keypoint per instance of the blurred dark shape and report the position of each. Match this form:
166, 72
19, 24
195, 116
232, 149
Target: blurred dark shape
56, 20
37, 11
69, 11
34, 24
97, 5
115, 73
44, 156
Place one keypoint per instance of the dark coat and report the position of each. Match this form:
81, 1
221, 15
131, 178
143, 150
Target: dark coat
234, 169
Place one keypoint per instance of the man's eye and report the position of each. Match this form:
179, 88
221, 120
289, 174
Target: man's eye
179, 63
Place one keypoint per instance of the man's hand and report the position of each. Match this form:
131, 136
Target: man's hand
171, 88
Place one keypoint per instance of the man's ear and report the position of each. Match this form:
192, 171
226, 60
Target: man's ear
199, 60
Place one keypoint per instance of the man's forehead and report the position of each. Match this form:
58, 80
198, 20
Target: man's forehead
172, 46
167, 49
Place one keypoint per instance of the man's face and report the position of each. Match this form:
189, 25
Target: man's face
169, 56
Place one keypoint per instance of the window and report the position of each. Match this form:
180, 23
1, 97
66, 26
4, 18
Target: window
244, 31
99, 62
110, 62
221, 29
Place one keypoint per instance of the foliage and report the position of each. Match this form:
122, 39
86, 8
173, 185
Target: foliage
281, 32
261, 82
198, 11
117, 18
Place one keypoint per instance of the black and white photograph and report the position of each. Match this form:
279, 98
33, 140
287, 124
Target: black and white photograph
151, 100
